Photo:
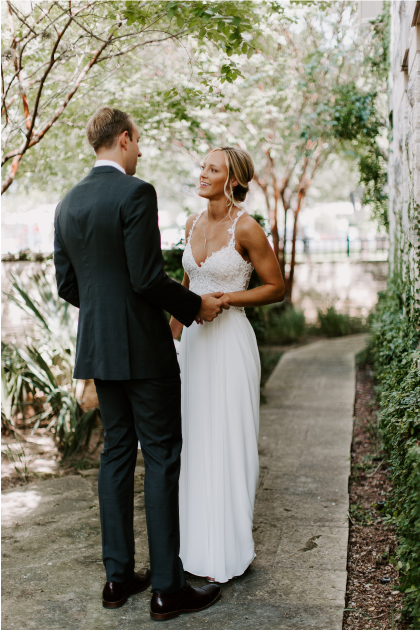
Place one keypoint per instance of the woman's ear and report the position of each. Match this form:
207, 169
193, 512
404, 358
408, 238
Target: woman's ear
233, 183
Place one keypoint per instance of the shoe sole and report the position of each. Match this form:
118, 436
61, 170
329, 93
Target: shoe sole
122, 601
176, 613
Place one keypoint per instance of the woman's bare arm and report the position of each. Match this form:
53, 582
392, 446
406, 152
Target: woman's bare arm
175, 325
253, 245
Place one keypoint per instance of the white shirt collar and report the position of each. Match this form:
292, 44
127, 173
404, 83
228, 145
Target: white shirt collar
109, 163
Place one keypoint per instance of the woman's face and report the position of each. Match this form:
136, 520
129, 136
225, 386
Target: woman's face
213, 176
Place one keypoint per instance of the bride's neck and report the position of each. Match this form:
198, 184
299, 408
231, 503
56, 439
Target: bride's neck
217, 209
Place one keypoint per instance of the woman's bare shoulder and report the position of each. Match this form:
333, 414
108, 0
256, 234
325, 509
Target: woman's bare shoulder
190, 220
188, 225
247, 227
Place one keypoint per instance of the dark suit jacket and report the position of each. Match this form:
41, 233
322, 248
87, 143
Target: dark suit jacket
109, 263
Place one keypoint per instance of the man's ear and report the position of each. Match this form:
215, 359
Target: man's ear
123, 139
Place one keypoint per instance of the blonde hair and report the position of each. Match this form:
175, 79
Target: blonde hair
105, 126
240, 167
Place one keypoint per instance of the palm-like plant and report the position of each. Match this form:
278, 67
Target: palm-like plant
40, 373
53, 318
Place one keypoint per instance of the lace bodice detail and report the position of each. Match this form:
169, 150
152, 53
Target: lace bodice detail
224, 270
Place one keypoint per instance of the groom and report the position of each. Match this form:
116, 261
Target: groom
109, 264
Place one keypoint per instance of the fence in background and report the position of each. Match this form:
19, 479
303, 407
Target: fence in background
336, 249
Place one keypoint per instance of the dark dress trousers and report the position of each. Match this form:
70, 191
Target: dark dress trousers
109, 264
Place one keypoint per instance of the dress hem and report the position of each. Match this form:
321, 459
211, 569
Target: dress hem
225, 580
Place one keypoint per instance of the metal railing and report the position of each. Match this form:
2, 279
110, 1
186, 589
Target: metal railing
335, 249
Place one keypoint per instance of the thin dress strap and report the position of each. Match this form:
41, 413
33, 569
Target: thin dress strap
193, 226
232, 229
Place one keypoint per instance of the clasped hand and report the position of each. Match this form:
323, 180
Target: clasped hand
212, 305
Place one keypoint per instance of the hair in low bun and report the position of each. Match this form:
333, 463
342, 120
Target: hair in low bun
240, 167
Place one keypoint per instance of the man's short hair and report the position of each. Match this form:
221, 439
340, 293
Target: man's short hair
106, 125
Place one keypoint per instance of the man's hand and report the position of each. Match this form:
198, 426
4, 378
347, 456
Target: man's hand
211, 306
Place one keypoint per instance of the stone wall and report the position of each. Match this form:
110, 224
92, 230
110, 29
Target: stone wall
351, 286
404, 165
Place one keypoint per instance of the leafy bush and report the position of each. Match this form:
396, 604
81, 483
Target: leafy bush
286, 324
39, 375
395, 350
334, 324
269, 359
172, 263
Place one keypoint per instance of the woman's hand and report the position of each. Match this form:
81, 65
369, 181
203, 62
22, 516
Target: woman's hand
226, 300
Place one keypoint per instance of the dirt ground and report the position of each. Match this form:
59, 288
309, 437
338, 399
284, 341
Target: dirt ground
372, 598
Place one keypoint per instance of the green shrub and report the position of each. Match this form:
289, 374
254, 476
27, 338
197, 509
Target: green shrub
40, 373
334, 324
285, 324
395, 350
269, 359
172, 263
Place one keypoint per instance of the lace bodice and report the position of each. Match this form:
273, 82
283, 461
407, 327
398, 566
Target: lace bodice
224, 270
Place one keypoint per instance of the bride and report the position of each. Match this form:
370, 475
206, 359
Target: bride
220, 373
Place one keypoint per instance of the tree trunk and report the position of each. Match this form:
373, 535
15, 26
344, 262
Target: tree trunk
286, 206
275, 230
289, 283
272, 214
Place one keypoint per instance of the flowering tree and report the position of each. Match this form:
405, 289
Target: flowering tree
305, 96
60, 50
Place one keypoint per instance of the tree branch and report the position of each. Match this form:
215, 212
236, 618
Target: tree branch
17, 155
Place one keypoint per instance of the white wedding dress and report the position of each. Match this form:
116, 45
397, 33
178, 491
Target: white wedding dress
220, 376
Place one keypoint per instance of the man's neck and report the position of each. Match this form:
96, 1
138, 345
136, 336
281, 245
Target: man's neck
110, 157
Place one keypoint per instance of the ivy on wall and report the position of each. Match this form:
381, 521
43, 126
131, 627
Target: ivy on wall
396, 354
395, 338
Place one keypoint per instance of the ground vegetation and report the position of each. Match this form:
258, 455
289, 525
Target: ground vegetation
38, 389
396, 358
373, 597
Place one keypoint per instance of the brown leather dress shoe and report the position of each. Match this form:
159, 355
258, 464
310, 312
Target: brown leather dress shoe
115, 594
167, 606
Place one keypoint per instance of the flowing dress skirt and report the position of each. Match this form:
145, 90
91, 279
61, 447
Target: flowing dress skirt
220, 375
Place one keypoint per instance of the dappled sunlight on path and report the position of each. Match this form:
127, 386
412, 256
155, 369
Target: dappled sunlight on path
29, 456
18, 505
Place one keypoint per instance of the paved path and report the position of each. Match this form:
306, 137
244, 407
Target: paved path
52, 571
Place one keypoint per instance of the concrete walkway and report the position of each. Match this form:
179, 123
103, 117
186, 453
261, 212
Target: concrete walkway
52, 570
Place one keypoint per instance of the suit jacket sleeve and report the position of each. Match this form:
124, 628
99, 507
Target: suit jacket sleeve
64, 272
145, 261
